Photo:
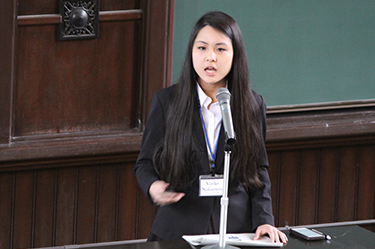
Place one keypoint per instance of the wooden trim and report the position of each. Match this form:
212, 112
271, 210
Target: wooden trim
104, 16
39, 19
7, 49
322, 122
66, 162
321, 106
143, 103
70, 147
157, 64
120, 15
170, 41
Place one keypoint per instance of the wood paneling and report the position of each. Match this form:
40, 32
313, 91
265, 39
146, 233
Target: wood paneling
308, 190
86, 97
24, 215
323, 185
7, 181
69, 205
71, 117
77, 86
66, 205
45, 208
347, 183
289, 162
86, 204
94, 94
102, 202
366, 184
127, 204
327, 185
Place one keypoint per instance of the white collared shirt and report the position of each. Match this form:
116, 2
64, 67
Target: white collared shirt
212, 118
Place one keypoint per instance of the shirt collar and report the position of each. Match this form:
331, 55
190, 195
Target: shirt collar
203, 98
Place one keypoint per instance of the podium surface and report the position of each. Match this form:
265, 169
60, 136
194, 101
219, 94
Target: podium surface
342, 237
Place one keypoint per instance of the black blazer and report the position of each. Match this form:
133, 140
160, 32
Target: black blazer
193, 214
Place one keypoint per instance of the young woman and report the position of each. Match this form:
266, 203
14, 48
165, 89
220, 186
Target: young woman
184, 141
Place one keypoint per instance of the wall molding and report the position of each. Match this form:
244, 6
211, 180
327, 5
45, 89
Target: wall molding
325, 121
70, 148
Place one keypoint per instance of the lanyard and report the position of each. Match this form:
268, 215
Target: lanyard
212, 153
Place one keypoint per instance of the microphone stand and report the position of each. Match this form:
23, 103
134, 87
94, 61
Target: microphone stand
224, 206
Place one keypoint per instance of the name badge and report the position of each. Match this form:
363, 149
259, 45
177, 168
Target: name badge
211, 185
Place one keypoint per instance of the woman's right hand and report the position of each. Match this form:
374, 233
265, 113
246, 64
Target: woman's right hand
160, 196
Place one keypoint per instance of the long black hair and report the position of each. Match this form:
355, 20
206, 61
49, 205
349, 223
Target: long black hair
176, 158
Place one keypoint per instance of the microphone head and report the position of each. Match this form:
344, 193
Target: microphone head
223, 97
223, 94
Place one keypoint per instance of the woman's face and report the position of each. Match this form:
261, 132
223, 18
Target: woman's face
212, 57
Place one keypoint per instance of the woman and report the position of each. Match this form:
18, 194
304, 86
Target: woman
184, 140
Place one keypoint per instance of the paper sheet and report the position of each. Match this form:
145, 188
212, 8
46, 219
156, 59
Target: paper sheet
238, 239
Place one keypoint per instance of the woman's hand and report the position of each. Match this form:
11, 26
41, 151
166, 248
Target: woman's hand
275, 234
160, 196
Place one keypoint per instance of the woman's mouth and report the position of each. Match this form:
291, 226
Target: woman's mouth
210, 70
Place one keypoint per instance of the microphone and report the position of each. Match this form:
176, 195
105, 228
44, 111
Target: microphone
223, 96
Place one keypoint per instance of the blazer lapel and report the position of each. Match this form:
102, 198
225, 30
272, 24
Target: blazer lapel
198, 132
219, 161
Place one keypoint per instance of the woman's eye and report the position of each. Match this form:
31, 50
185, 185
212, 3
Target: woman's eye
201, 48
221, 49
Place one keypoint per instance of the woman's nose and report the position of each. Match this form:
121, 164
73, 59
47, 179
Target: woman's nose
211, 56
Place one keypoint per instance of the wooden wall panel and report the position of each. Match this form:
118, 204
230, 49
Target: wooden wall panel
323, 185
308, 186
107, 203
145, 215
6, 209
119, 5
328, 185
288, 190
45, 208
127, 203
66, 197
23, 209
366, 183
76, 86
70, 205
347, 184
86, 204
97, 202
94, 94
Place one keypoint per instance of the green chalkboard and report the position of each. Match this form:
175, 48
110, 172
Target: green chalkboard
299, 51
